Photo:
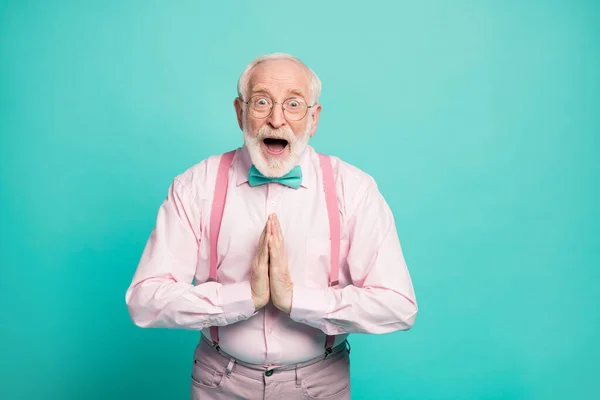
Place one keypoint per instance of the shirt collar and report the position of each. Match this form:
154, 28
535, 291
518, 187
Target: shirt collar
243, 163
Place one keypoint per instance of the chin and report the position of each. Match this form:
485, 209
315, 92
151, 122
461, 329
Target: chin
275, 152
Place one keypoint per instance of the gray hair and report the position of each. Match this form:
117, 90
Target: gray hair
315, 82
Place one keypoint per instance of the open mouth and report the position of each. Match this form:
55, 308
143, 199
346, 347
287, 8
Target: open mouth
275, 146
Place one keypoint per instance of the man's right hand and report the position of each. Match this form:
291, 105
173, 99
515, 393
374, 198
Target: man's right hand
259, 272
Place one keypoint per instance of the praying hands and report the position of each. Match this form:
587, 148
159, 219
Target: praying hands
269, 275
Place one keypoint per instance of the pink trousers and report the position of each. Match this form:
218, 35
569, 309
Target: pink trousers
216, 375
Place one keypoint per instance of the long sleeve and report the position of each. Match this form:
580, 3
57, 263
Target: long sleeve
161, 293
381, 298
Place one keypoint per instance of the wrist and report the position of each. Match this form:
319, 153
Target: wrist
285, 304
259, 302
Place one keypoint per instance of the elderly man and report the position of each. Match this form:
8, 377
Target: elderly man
275, 252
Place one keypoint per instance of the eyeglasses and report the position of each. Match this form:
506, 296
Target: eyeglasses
294, 108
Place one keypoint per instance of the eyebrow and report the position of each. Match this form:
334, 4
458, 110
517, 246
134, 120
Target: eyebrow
297, 92
259, 89
265, 89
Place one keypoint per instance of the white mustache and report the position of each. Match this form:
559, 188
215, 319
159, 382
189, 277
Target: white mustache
282, 133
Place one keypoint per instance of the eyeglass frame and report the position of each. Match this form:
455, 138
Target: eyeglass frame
282, 109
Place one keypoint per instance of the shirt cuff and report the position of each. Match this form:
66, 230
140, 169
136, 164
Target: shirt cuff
309, 306
236, 301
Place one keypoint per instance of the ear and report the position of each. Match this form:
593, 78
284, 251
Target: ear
237, 104
315, 119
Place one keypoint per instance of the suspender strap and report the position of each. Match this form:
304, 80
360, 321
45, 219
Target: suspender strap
334, 230
215, 222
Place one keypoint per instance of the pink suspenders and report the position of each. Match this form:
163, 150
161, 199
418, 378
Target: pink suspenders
334, 230
216, 215
332, 212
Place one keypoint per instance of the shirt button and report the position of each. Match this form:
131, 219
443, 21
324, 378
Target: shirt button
269, 372
273, 203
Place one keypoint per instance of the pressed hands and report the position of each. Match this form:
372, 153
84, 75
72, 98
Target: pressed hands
269, 274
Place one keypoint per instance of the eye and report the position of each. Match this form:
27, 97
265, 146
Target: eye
261, 102
294, 104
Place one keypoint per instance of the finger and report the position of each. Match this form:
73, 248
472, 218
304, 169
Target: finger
268, 236
263, 245
274, 243
269, 228
264, 234
271, 243
279, 231
264, 250
261, 240
270, 249
274, 252
263, 237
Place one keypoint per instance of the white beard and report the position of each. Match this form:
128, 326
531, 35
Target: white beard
270, 166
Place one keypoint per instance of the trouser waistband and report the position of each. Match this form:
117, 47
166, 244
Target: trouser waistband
284, 372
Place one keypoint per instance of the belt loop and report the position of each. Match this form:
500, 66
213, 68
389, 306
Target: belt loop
348, 346
298, 380
230, 366
327, 352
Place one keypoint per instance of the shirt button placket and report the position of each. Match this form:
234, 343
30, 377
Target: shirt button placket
274, 191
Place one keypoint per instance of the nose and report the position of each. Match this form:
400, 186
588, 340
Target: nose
276, 119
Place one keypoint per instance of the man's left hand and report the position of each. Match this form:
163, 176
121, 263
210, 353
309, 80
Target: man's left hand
281, 284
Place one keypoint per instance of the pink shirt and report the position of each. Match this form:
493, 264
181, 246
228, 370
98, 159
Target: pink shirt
170, 288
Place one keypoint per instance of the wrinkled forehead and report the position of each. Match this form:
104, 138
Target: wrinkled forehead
279, 78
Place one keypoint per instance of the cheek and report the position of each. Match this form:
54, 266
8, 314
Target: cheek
298, 127
253, 125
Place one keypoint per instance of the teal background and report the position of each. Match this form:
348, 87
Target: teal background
478, 119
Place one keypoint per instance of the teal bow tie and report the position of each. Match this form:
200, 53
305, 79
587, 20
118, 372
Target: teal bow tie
292, 179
